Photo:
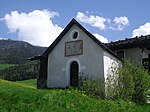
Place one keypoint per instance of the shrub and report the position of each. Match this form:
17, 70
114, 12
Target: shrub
119, 83
131, 83
94, 88
128, 82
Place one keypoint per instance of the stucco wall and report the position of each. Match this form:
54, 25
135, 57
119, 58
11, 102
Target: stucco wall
136, 54
90, 62
145, 53
110, 63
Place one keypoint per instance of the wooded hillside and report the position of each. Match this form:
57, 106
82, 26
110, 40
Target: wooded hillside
15, 52
13, 60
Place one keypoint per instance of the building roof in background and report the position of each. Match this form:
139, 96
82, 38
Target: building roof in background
142, 41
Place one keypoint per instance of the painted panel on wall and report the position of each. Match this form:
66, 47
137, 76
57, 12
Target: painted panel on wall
73, 48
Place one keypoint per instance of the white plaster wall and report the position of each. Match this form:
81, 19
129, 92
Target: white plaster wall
109, 63
90, 62
145, 53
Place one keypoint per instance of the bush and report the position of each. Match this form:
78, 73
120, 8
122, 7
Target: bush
94, 88
131, 83
119, 84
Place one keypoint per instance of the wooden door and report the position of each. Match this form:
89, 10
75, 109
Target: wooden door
74, 69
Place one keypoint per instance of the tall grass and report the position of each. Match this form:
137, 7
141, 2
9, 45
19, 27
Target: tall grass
31, 82
16, 97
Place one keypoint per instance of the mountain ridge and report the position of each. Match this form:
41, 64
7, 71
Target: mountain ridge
16, 52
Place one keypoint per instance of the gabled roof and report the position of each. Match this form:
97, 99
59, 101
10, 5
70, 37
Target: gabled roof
142, 41
73, 21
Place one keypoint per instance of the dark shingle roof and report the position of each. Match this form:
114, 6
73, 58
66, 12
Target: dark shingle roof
142, 41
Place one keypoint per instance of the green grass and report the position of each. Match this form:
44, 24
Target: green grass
3, 66
31, 82
17, 97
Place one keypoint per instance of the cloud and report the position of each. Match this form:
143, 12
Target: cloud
118, 23
3, 38
35, 27
121, 22
95, 21
101, 38
142, 30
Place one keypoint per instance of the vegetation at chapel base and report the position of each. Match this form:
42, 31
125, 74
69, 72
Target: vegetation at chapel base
125, 93
16, 97
129, 82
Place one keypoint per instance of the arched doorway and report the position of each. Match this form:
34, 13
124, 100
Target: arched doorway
74, 69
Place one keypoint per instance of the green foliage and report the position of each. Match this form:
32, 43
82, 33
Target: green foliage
4, 66
21, 98
131, 82
94, 88
28, 70
119, 84
141, 80
128, 82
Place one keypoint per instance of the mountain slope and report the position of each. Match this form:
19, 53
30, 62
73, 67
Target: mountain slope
15, 52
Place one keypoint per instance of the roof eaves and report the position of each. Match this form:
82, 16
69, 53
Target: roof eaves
130, 43
35, 58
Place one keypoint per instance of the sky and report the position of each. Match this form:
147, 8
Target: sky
39, 22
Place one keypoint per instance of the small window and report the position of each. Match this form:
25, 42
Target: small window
75, 35
120, 54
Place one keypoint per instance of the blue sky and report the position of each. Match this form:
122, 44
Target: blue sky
39, 22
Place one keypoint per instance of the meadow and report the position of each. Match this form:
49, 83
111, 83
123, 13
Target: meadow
3, 66
31, 82
21, 97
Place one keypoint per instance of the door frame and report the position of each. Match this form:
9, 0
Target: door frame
68, 69
74, 74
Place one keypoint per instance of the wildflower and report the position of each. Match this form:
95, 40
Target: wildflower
83, 94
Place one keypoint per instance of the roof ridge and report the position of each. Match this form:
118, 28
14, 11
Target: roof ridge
71, 23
